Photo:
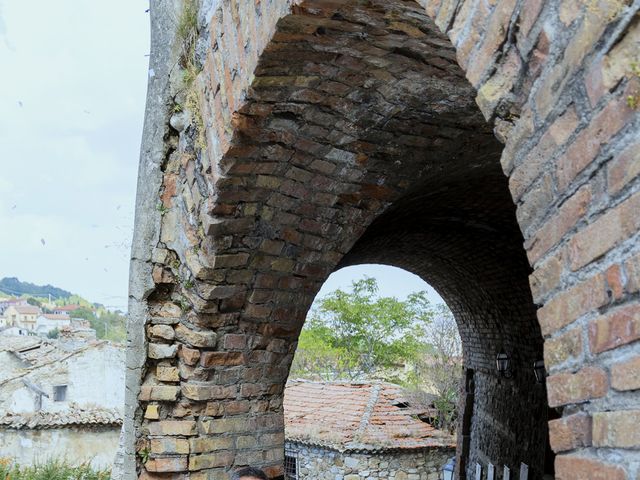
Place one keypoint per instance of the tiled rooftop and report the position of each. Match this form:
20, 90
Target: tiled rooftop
33, 351
357, 416
67, 418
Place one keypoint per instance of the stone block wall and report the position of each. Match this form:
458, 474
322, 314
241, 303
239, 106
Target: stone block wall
317, 463
284, 141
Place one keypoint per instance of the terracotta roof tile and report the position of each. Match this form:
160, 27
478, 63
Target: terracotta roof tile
356, 416
66, 418
27, 309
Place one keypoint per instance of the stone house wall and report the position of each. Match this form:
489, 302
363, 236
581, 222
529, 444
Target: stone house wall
28, 446
94, 378
317, 463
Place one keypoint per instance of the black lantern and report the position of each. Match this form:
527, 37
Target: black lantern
539, 371
503, 364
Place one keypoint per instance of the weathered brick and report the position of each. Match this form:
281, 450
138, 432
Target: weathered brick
571, 304
618, 327
234, 342
173, 427
227, 425
570, 432
570, 467
212, 460
195, 338
583, 37
201, 392
625, 375
162, 331
536, 202
595, 239
167, 373
230, 260
161, 393
632, 268
624, 168
152, 412
216, 359
529, 13
533, 164
167, 446
496, 30
566, 346
586, 146
606, 73
210, 444
166, 464
237, 407
586, 384
160, 351
546, 277
552, 231
615, 281
190, 356
616, 429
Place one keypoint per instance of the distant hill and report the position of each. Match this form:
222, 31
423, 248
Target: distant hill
13, 286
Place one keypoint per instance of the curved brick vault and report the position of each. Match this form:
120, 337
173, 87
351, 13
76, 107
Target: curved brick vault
331, 133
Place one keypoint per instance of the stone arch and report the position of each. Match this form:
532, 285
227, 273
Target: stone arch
283, 164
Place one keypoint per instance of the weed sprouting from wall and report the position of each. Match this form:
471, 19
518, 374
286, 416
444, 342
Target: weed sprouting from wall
187, 32
634, 100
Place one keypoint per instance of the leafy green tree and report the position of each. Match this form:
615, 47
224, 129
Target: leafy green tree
317, 359
358, 334
108, 325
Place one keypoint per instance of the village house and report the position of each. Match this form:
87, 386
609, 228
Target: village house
60, 397
360, 431
65, 309
4, 304
23, 316
78, 435
47, 322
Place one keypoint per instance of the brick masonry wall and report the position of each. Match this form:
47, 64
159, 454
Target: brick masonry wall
320, 128
315, 463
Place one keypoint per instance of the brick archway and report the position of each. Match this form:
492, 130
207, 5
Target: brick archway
330, 133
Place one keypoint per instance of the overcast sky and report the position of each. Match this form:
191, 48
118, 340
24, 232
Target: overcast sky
72, 93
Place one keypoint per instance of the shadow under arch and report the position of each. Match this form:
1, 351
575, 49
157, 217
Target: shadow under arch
462, 238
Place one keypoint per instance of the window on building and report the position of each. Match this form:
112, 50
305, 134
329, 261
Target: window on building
290, 464
59, 393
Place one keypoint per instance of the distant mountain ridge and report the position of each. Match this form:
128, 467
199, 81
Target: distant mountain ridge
13, 286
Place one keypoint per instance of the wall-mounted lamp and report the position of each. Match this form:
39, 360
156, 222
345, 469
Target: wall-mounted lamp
539, 371
503, 364
448, 469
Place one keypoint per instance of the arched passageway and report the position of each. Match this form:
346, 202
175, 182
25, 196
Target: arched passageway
358, 140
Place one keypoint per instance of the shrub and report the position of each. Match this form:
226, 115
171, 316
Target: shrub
52, 469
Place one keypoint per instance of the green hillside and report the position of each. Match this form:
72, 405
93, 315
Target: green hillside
14, 287
108, 325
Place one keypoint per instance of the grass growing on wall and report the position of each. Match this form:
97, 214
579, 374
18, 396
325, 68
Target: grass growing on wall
53, 469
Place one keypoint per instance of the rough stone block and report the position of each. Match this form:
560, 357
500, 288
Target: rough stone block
195, 338
173, 427
160, 350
